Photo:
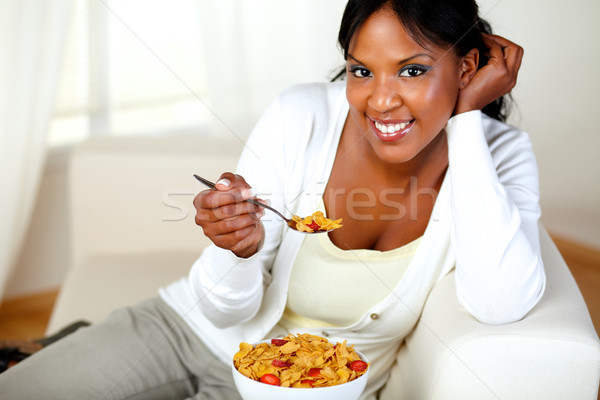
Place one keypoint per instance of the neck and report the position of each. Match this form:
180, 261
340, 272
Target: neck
428, 167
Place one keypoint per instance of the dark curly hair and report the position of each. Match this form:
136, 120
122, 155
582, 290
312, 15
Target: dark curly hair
445, 23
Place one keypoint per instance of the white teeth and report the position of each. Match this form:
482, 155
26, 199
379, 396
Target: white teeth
390, 128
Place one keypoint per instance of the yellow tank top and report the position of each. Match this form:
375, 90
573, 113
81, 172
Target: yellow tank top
334, 287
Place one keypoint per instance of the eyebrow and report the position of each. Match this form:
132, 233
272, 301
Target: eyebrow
399, 62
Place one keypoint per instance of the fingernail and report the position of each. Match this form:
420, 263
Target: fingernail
224, 182
248, 193
261, 213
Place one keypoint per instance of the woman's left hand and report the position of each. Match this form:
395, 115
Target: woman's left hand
495, 79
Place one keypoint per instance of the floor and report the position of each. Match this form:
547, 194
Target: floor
26, 318
584, 263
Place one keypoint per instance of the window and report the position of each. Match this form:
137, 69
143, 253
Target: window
134, 66
123, 74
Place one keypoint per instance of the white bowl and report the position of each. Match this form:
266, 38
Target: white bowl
250, 389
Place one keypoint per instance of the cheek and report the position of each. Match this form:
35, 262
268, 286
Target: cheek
357, 99
354, 95
434, 98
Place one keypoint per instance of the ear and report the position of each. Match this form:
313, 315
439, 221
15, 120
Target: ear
468, 67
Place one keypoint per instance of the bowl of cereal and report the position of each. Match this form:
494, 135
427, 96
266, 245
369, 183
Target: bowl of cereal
297, 367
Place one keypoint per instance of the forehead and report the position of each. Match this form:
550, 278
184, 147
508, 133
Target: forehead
384, 30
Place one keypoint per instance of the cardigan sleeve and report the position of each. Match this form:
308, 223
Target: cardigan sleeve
495, 211
229, 289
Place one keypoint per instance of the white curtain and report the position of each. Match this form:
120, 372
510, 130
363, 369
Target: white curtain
254, 49
153, 67
32, 36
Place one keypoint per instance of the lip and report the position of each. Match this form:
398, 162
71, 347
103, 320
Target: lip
390, 137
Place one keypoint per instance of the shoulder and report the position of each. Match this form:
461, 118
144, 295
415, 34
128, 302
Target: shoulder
506, 141
300, 117
302, 105
512, 154
500, 134
309, 111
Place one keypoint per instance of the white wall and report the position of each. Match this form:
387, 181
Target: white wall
557, 96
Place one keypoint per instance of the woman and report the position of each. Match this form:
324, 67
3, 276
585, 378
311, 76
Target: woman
424, 183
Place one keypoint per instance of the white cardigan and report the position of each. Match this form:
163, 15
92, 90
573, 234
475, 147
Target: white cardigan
484, 222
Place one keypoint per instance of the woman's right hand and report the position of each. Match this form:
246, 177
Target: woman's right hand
227, 219
495, 79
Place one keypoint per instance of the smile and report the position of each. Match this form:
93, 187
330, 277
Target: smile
391, 128
389, 132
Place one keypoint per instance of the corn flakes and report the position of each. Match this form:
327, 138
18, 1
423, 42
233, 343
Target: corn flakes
300, 361
316, 222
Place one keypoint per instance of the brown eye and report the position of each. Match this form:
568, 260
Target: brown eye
413, 70
360, 72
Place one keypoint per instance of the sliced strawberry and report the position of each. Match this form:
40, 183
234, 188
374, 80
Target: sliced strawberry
278, 342
314, 372
358, 365
314, 226
270, 379
309, 382
281, 363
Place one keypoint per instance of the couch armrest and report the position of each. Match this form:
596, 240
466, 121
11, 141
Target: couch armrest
553, 353
132, 218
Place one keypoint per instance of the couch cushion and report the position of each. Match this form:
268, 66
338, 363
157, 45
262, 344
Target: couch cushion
134, 195
109, 281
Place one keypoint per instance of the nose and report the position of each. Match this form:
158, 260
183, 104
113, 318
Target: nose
384, 97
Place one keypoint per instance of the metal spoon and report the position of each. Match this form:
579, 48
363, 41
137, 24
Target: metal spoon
290, 222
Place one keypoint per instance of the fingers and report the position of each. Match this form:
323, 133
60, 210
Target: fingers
213, 225
495, 79
239, 240
227, 219
231, 189
243, 243
214, 206
236, 188
499, 40
501, 48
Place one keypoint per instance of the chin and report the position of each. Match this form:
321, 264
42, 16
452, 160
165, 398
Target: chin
393, 153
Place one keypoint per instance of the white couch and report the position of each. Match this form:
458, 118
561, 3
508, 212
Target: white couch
133, 230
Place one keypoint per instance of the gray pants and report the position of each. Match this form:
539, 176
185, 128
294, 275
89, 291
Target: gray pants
141, 352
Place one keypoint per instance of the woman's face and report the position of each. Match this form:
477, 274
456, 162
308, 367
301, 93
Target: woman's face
401, 95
